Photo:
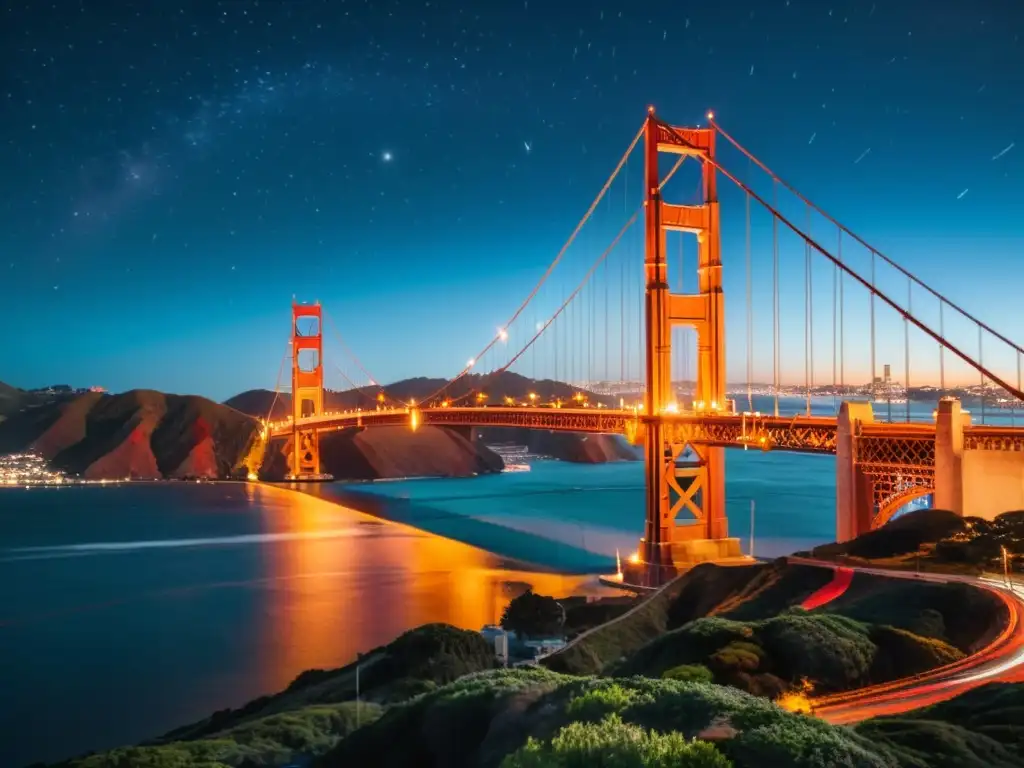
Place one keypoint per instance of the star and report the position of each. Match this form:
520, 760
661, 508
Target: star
386, 156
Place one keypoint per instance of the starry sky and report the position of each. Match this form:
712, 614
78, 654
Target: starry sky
173, 173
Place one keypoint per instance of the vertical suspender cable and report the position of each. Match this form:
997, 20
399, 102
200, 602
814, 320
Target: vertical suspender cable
873, 326
607, 364
942, 352
623, 319
775, 298
835, 328
809, 329
981, 363
842, 335
906, 349
750, 319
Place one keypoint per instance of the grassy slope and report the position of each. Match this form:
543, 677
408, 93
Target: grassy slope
274, 740
414, 662
480, 720
983, 728
744, 592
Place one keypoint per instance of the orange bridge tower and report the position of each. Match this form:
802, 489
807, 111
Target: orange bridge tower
674, 483
307, 387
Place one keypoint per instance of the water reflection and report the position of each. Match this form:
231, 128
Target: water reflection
331, 597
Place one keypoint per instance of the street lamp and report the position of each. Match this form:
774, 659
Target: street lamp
1006, 567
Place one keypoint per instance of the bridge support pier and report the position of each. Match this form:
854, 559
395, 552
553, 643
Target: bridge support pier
674, 482
307, 389
855, 503
950, 421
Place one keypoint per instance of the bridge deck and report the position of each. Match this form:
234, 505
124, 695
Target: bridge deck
808, 434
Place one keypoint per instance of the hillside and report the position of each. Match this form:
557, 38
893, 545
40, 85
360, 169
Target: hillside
150, 435
741, 626
433, 699
139, 434
257, 402
387, 452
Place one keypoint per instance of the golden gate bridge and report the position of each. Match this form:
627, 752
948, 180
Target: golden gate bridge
594, 315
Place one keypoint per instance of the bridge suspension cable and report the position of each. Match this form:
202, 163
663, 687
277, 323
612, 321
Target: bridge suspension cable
846, 230
868, 284
579, 318
551, 267
352, 355
586, 278
277, 383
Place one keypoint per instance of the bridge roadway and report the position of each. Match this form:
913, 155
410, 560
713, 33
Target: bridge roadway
808, 434
813, 434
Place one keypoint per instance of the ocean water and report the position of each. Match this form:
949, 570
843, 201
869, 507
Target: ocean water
577, 516
127, 611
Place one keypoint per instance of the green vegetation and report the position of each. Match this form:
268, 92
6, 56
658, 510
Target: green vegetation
533, 615
767, 657
615, 744
750, 592
269, 741
538, 718
937, 540
689, 673
983, 728
416, 662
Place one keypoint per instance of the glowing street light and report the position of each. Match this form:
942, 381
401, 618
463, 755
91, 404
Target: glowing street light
471, 362
503, 334
533, 398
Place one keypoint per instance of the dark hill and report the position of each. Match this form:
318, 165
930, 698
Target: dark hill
147, 434
257, 402
142, 434
902, 535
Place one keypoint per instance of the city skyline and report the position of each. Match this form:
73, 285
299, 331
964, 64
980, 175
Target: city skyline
165, 203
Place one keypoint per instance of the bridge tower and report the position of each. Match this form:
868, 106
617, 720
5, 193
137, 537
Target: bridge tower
698, 485
307, 387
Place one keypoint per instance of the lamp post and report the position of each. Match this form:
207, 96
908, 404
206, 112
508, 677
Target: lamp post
1006, 568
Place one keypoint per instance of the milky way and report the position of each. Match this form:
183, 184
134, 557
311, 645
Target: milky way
173, 176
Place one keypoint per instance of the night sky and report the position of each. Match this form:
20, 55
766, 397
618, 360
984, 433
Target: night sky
172, 173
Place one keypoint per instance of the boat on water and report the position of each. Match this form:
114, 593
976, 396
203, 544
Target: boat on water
517, 468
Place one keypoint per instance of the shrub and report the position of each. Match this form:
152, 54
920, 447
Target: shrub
803, 742
615, 744
598, 701
689, 673
690, 644
902, 653
831, 650
737, 656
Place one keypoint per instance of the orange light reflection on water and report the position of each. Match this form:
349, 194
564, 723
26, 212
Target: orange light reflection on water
345, 582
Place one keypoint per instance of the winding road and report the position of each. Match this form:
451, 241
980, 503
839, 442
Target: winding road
1001, 660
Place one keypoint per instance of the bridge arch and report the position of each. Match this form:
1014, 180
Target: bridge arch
896, 503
